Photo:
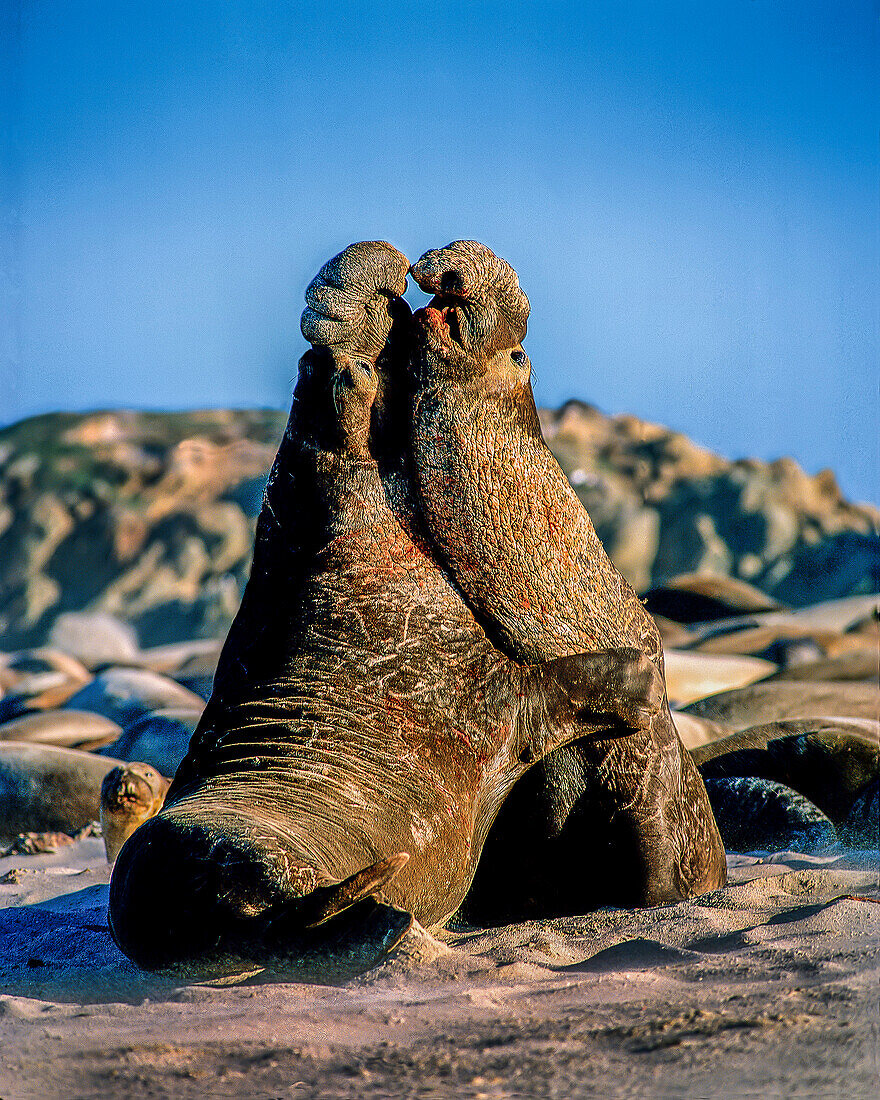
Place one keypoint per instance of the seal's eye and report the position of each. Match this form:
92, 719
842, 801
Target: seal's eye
518, 356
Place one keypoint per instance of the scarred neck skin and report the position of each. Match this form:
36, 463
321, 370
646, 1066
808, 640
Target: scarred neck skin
510, 528
357, 701
515, 535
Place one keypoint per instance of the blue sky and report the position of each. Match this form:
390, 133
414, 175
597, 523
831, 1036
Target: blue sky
689, 192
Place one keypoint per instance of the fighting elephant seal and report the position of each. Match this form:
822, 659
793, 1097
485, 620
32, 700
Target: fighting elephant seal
523, 550
363, 730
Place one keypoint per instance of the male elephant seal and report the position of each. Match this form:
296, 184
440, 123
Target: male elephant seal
524, 552
363, 730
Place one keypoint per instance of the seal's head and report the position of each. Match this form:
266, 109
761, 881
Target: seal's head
130, 795
358, 325
474, 325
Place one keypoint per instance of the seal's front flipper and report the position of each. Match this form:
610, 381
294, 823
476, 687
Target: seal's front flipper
324, 902
335, 931
341, 947
623, 685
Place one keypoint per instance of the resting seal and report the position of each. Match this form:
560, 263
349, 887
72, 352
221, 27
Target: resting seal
130, 795
47, 789
363, 730
829, 760
524, 552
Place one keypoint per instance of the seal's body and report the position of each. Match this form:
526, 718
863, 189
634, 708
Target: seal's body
527, 558
363, 730
44, 788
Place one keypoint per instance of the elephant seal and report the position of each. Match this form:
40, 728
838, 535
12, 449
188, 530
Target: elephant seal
130, 795
523, 551
760, 814
46, 789
159, 738
691, 676
831, 761
697, 732
861, 829
858, 664
126, 694
38, 679
705, 597
770, 701
67, 729
363, 730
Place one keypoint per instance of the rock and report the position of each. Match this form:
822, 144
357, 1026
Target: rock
633, 545
94, 506
149, 517
837, 565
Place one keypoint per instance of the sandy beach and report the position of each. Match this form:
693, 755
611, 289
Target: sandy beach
765, 988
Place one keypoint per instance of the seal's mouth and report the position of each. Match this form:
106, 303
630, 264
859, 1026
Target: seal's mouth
439, 323
130, 790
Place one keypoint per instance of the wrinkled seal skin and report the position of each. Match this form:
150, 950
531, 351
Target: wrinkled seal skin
525, 554
360, 715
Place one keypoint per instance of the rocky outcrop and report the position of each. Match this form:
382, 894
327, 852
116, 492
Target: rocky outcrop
149, 517
145, 516
664, 506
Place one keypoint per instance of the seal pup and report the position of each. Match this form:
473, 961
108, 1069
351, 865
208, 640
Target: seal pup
130, 795
363, 730
523, 550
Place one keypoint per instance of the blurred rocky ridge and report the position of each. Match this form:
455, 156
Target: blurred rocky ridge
149, 517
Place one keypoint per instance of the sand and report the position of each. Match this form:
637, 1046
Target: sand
765, 988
